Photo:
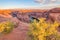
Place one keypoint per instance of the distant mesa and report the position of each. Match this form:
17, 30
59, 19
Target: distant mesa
55, 10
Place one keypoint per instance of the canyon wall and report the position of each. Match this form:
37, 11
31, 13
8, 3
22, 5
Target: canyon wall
23, 15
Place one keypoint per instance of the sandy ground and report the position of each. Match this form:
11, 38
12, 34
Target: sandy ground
19, 33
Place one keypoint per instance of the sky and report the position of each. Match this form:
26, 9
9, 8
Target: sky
11, 4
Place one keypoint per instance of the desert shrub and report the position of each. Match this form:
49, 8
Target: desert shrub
43, 30
6, 27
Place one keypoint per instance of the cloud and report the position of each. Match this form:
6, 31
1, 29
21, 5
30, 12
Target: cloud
39, 1
49, 6
46, 1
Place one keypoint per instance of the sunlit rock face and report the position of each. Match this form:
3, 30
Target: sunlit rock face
55, 10
2, 19
55, 14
